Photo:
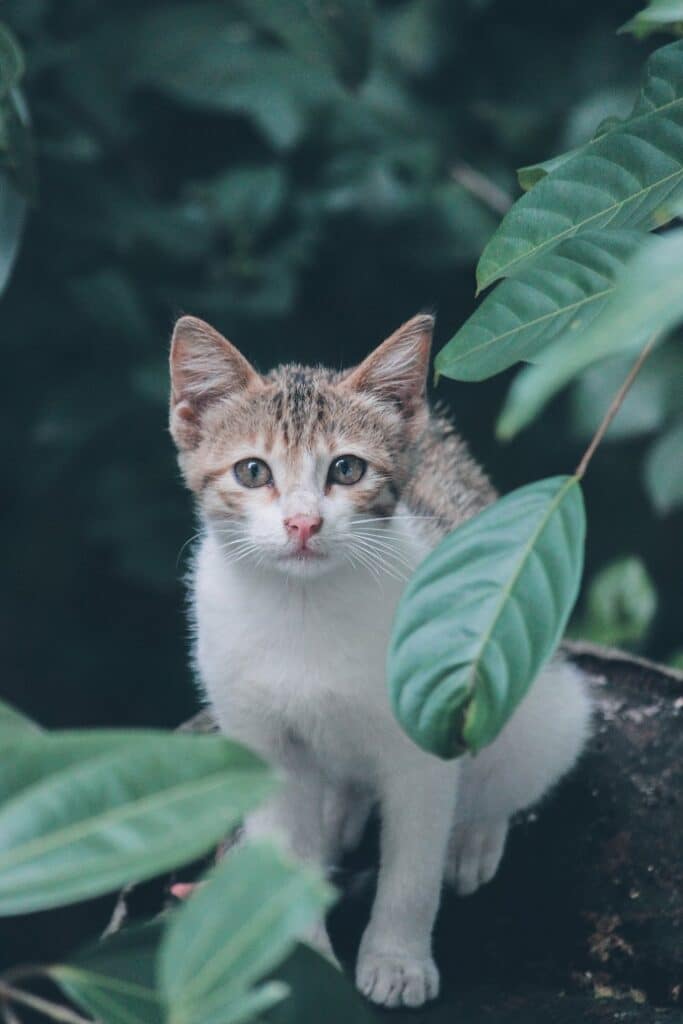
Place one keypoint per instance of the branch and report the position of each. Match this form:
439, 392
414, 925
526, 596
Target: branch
614, 408
482, 187
53, 1010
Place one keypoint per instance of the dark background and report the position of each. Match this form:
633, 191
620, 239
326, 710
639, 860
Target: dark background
188, 162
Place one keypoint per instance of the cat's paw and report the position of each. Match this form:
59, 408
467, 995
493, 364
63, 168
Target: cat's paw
474, 853
390, 979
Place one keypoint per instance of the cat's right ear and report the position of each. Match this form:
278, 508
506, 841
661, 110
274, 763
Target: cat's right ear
204, 368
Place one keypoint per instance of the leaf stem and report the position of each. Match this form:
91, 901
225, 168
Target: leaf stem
53, 1010
614, 408
482, 187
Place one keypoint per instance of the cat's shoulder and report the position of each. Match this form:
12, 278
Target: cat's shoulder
447, 485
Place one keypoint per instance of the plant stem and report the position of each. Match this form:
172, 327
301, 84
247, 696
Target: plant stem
8, 1014
53, 1010
477, 184
614, 408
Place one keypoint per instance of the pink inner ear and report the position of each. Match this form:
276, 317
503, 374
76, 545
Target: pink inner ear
205, 365
397, 370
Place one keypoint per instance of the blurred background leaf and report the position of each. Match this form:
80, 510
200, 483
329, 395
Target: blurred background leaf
620, 605
115, 979
657, 16
663, 474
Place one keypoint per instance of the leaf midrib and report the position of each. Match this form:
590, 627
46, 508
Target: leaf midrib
238, 942
106, 981
572, 481
81, 829
531, 323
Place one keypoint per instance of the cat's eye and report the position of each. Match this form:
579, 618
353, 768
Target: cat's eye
346, 469
253, 473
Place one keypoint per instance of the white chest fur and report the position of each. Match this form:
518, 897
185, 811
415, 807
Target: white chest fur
304, 656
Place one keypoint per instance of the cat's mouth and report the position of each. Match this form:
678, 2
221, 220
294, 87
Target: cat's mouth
302, 555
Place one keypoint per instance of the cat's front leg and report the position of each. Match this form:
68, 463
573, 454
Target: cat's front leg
395, 965
293, 818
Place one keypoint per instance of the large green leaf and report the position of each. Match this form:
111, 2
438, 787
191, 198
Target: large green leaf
17, 176
533, 173
82, 822
482, 613
14, 724
233, 930
336, 35
318, 992
658, 16
530, 175
622, 178
12, 217
11, 61
647, 299
552, 299
115, 979
664, 470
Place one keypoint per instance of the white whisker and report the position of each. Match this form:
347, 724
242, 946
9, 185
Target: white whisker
380, 562
189, 540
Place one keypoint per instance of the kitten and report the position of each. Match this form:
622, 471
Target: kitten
319, 493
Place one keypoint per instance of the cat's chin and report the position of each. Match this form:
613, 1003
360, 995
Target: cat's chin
306, 564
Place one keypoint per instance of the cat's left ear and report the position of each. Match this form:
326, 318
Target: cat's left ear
205, 368
397, 370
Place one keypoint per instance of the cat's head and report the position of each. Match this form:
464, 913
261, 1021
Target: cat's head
299, 469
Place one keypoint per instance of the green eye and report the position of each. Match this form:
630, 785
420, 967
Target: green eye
347, 469
253, 473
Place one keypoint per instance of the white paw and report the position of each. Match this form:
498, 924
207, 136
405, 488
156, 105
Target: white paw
474, 853
394, 980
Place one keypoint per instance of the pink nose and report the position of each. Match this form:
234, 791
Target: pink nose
302, 528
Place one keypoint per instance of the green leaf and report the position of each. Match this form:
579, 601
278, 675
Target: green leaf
658, 16
544, 302
620, 605
481, 615
114, 980
622, 178
11, 61
83, 822
12, 216
647, 299
664, 470
17, 162
233, 930
335, 35
533, 173
13, 724
318, 992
